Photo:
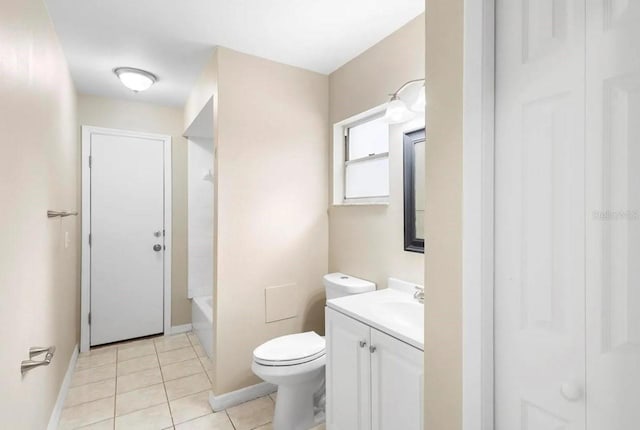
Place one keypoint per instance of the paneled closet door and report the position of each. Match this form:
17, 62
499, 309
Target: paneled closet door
539, 225
613, 214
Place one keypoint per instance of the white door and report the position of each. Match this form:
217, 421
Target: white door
127, 224
539, 215
613, 214
348, 373
397, 382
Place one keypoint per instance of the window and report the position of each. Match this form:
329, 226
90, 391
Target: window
366, 160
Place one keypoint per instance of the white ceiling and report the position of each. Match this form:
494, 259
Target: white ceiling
174, 38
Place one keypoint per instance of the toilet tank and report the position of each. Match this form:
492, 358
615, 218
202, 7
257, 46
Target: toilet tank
339, 285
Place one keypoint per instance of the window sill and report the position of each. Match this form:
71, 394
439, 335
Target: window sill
360, 204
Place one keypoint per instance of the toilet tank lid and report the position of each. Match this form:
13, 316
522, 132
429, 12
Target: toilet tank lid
350, 284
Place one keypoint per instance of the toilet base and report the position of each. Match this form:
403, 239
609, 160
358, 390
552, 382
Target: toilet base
295, 405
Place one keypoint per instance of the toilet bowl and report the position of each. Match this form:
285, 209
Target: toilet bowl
296, 362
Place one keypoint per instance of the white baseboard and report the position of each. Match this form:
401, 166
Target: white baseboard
177, 329
64, 389
227, 400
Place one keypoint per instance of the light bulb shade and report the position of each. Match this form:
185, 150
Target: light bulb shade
397, 112
135, 79
421, 101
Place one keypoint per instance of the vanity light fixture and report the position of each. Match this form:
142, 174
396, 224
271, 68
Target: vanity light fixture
421, 101
397, 109
135, 79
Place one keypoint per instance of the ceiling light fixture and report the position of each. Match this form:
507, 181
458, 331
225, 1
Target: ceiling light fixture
135, 79
397, 109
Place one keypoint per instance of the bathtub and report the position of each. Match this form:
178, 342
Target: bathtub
202, 320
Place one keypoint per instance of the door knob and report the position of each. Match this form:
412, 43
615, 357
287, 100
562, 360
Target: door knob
157, 233
363, 344
571, 391
157, 247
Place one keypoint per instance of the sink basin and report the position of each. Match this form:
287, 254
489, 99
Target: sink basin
407, 314
391, 310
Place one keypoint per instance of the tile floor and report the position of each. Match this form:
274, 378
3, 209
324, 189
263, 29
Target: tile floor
153, 384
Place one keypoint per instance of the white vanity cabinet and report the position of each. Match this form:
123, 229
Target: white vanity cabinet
374, 381
348, 373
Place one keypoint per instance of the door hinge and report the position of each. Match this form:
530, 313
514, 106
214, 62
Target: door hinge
90, 160
89, 239
89, 318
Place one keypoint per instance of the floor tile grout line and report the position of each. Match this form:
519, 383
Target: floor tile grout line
91, 383
140, 356
116, 349
186, 395
163, 378
180, 361
186, 376
88, 401
194, 418
197, 340
140, 410
226, 411
164, 387
116, 364
184, 347
139, 388
115, 395
92, 424
175, 362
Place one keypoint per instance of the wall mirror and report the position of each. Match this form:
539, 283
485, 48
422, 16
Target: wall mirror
414, 184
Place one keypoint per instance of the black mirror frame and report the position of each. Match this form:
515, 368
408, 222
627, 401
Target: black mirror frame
411, 242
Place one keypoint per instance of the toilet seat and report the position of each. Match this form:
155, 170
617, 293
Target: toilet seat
290, 350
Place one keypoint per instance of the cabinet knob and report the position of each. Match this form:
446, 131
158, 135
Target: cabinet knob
362, 344
372, 349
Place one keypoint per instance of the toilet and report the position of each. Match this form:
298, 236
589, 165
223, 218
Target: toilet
295, 363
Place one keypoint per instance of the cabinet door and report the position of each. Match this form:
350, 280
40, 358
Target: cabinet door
348, 373
396, 384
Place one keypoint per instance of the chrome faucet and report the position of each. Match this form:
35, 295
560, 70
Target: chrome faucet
419, 294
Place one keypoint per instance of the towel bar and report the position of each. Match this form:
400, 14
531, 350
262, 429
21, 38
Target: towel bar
27, 365
61, 214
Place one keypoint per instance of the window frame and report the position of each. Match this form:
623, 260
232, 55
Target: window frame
345, 126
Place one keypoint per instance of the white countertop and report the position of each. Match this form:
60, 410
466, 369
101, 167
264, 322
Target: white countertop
393, 311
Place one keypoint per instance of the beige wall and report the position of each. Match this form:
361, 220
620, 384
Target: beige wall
39, 158
203, 89
272, 200
271, 221
368, 241
150, 118
443, 218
